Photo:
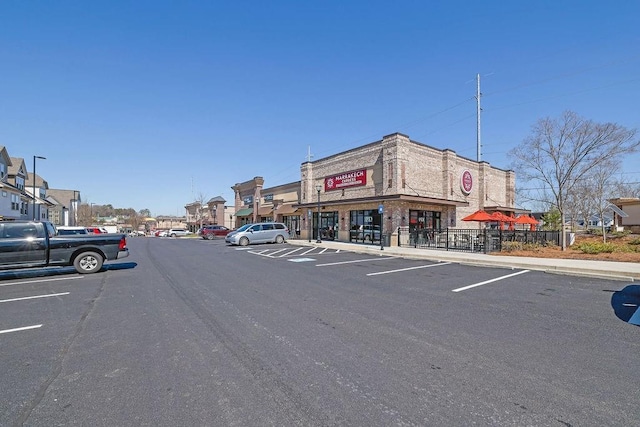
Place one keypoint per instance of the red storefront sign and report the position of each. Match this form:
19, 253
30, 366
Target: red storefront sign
466, 182
347, 179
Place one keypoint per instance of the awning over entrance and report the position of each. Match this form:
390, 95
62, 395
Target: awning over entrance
245, 212
286, 210
265, 210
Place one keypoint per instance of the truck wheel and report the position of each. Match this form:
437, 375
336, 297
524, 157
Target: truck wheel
243, 241
279, 239
88, 262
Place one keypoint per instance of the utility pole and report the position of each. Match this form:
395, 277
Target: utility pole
478, 94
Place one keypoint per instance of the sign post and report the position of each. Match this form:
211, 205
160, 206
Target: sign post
381, 212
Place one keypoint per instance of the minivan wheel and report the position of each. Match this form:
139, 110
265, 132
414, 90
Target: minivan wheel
243, 241
210, 236
279, 239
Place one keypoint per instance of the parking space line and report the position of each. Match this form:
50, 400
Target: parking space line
291, 252
310, 250
259, 252
34, 297
354, 261
408, 268
42, 280
24, 328
277, 252
490, 281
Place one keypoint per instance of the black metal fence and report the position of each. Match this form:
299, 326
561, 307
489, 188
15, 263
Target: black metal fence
485, 241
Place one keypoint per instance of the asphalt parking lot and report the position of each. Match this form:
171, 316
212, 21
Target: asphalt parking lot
310, 336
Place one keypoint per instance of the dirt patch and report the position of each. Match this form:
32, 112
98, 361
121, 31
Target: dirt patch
625, 251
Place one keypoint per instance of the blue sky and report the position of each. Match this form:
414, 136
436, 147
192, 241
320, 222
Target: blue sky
149, 104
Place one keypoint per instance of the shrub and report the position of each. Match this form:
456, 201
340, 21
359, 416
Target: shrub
596, 248
512, 246
635, 241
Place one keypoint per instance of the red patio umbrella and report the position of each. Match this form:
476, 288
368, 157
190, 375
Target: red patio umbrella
479, 215
526, 219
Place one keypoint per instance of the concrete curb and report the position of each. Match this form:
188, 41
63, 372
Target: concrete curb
586, 268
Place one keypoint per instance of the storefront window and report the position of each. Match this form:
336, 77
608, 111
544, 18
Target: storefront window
419, 220
328, 225
293, 222
364, 226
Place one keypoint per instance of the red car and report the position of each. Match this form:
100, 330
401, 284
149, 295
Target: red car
210, 232
94, 230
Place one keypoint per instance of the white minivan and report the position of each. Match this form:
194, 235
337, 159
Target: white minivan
263, 232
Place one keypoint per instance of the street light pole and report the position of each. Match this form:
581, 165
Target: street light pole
34, 183
318, 188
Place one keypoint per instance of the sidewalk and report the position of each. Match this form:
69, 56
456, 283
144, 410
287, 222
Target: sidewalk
628, 271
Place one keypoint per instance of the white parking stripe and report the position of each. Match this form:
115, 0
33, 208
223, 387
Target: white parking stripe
34, 297
41, 280
489, 281
277, 252
24, 328
310, 250
291, 252
408, 268
354, 261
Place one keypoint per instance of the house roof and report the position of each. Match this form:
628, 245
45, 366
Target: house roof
625, 201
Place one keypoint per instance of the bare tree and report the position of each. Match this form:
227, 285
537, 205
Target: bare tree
627, 189
560, 152
580, 201
202, 207
602, 185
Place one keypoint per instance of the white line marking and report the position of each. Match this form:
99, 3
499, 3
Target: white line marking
259, 252
34, 297
301, 259
291, 252
276, 252
408, 268
24, 328
354, 261
310, 250
43, 280
323, 251
490, 281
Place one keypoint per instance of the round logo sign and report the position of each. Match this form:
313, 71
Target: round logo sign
466, 182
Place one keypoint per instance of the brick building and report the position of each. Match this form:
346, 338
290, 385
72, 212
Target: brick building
378, 188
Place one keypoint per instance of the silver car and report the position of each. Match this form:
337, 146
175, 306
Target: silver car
264, 232
177, 232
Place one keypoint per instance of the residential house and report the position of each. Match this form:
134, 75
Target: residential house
65, 204
630, 206
41, 205
19, 199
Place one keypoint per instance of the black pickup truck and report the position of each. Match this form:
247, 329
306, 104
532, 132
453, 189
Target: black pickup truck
30, 244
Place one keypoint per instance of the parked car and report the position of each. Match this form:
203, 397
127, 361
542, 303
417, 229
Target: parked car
96, 230
264, 232
210, 232
161, 233
66, 230
177, 232
37, 244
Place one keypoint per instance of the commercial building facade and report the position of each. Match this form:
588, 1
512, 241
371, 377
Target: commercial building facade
379, 189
